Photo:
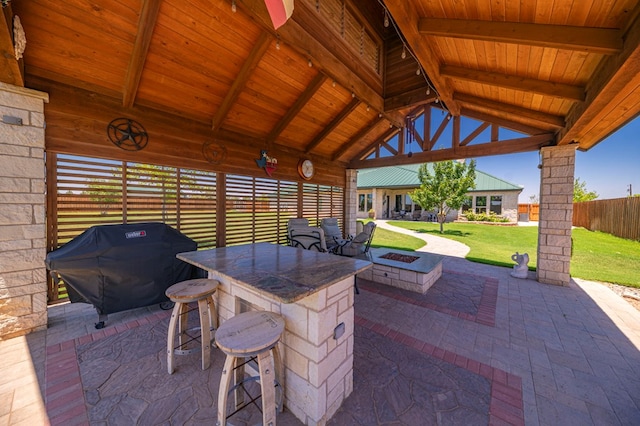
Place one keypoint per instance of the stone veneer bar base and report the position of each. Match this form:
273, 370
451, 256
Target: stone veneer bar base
318, 367
417, 276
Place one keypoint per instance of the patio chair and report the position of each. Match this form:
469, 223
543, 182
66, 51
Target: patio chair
332, 233
359, 244
308, 238
299, 222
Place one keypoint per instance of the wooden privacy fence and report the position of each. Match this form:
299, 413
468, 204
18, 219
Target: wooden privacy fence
617, 216
529, 211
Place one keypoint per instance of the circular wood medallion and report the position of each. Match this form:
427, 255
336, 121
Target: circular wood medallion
214, 152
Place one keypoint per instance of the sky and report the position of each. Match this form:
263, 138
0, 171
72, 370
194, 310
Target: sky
608, 168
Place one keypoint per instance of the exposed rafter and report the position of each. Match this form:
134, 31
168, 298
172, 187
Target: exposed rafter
334, 123
616, 75
308, 93
409, 99
375, 145
509, 124
431, 141
146, 24
549, 121
406, 17
356, 138
542, 87
259, 49
297, 37
606, 41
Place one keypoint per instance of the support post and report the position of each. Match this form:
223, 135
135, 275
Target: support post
556, 214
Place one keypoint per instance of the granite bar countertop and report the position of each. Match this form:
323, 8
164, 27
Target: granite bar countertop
285, 273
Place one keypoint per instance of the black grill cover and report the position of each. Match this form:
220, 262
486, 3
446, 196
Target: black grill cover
120, 267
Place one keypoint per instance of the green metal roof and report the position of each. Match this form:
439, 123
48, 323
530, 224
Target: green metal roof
407, 176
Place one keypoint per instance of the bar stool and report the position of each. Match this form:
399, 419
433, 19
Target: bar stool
253, 335
199, 290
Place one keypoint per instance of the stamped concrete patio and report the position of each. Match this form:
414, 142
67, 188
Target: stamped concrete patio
480, 347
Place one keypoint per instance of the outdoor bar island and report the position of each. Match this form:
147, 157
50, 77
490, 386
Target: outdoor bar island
314, 292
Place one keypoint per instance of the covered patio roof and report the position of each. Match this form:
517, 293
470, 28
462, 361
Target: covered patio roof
339, 78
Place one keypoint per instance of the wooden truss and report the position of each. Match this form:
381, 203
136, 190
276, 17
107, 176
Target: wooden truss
390, 149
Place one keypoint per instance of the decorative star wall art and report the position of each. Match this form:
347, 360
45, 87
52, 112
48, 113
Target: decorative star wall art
127, 134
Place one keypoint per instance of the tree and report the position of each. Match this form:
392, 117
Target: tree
580, 192
445, 187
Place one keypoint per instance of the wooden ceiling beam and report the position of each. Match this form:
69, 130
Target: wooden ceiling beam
146, 25
606, 41
502, 122
547, 88
553, 122
614, 75
12, 71
375, 145
481, 128
512, 146
296, 36
431, 141
406, 18
250, 64
408, 99
356, 138
302, 100
332, 125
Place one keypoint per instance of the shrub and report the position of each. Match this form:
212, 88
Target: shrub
484, 217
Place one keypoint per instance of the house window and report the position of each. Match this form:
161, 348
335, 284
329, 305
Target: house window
481, 204
407, 202
467, 204
365, 202
496, 204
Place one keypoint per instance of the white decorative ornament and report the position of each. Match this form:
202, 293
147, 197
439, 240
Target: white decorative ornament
521, 269
19, 38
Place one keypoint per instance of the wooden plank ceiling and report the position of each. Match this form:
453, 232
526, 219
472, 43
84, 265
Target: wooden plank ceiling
338, 79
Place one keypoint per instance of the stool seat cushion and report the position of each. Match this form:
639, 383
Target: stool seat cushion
191, 290
249, 333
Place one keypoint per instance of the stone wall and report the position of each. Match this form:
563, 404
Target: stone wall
556, 214
23, 285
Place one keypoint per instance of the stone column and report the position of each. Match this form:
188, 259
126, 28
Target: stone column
23, 284
556, 214
351, 202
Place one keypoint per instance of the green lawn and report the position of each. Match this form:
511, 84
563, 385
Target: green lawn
596, 256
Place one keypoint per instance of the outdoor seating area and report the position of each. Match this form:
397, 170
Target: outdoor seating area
480, 347
329, 238
245, 128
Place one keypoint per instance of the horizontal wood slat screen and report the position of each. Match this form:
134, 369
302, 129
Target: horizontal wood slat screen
618, 216
84, 192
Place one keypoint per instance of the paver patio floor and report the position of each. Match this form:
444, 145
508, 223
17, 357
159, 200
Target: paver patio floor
507, 351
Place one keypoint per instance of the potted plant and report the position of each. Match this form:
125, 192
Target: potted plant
372, 214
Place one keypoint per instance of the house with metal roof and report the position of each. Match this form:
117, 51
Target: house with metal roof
385, 190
